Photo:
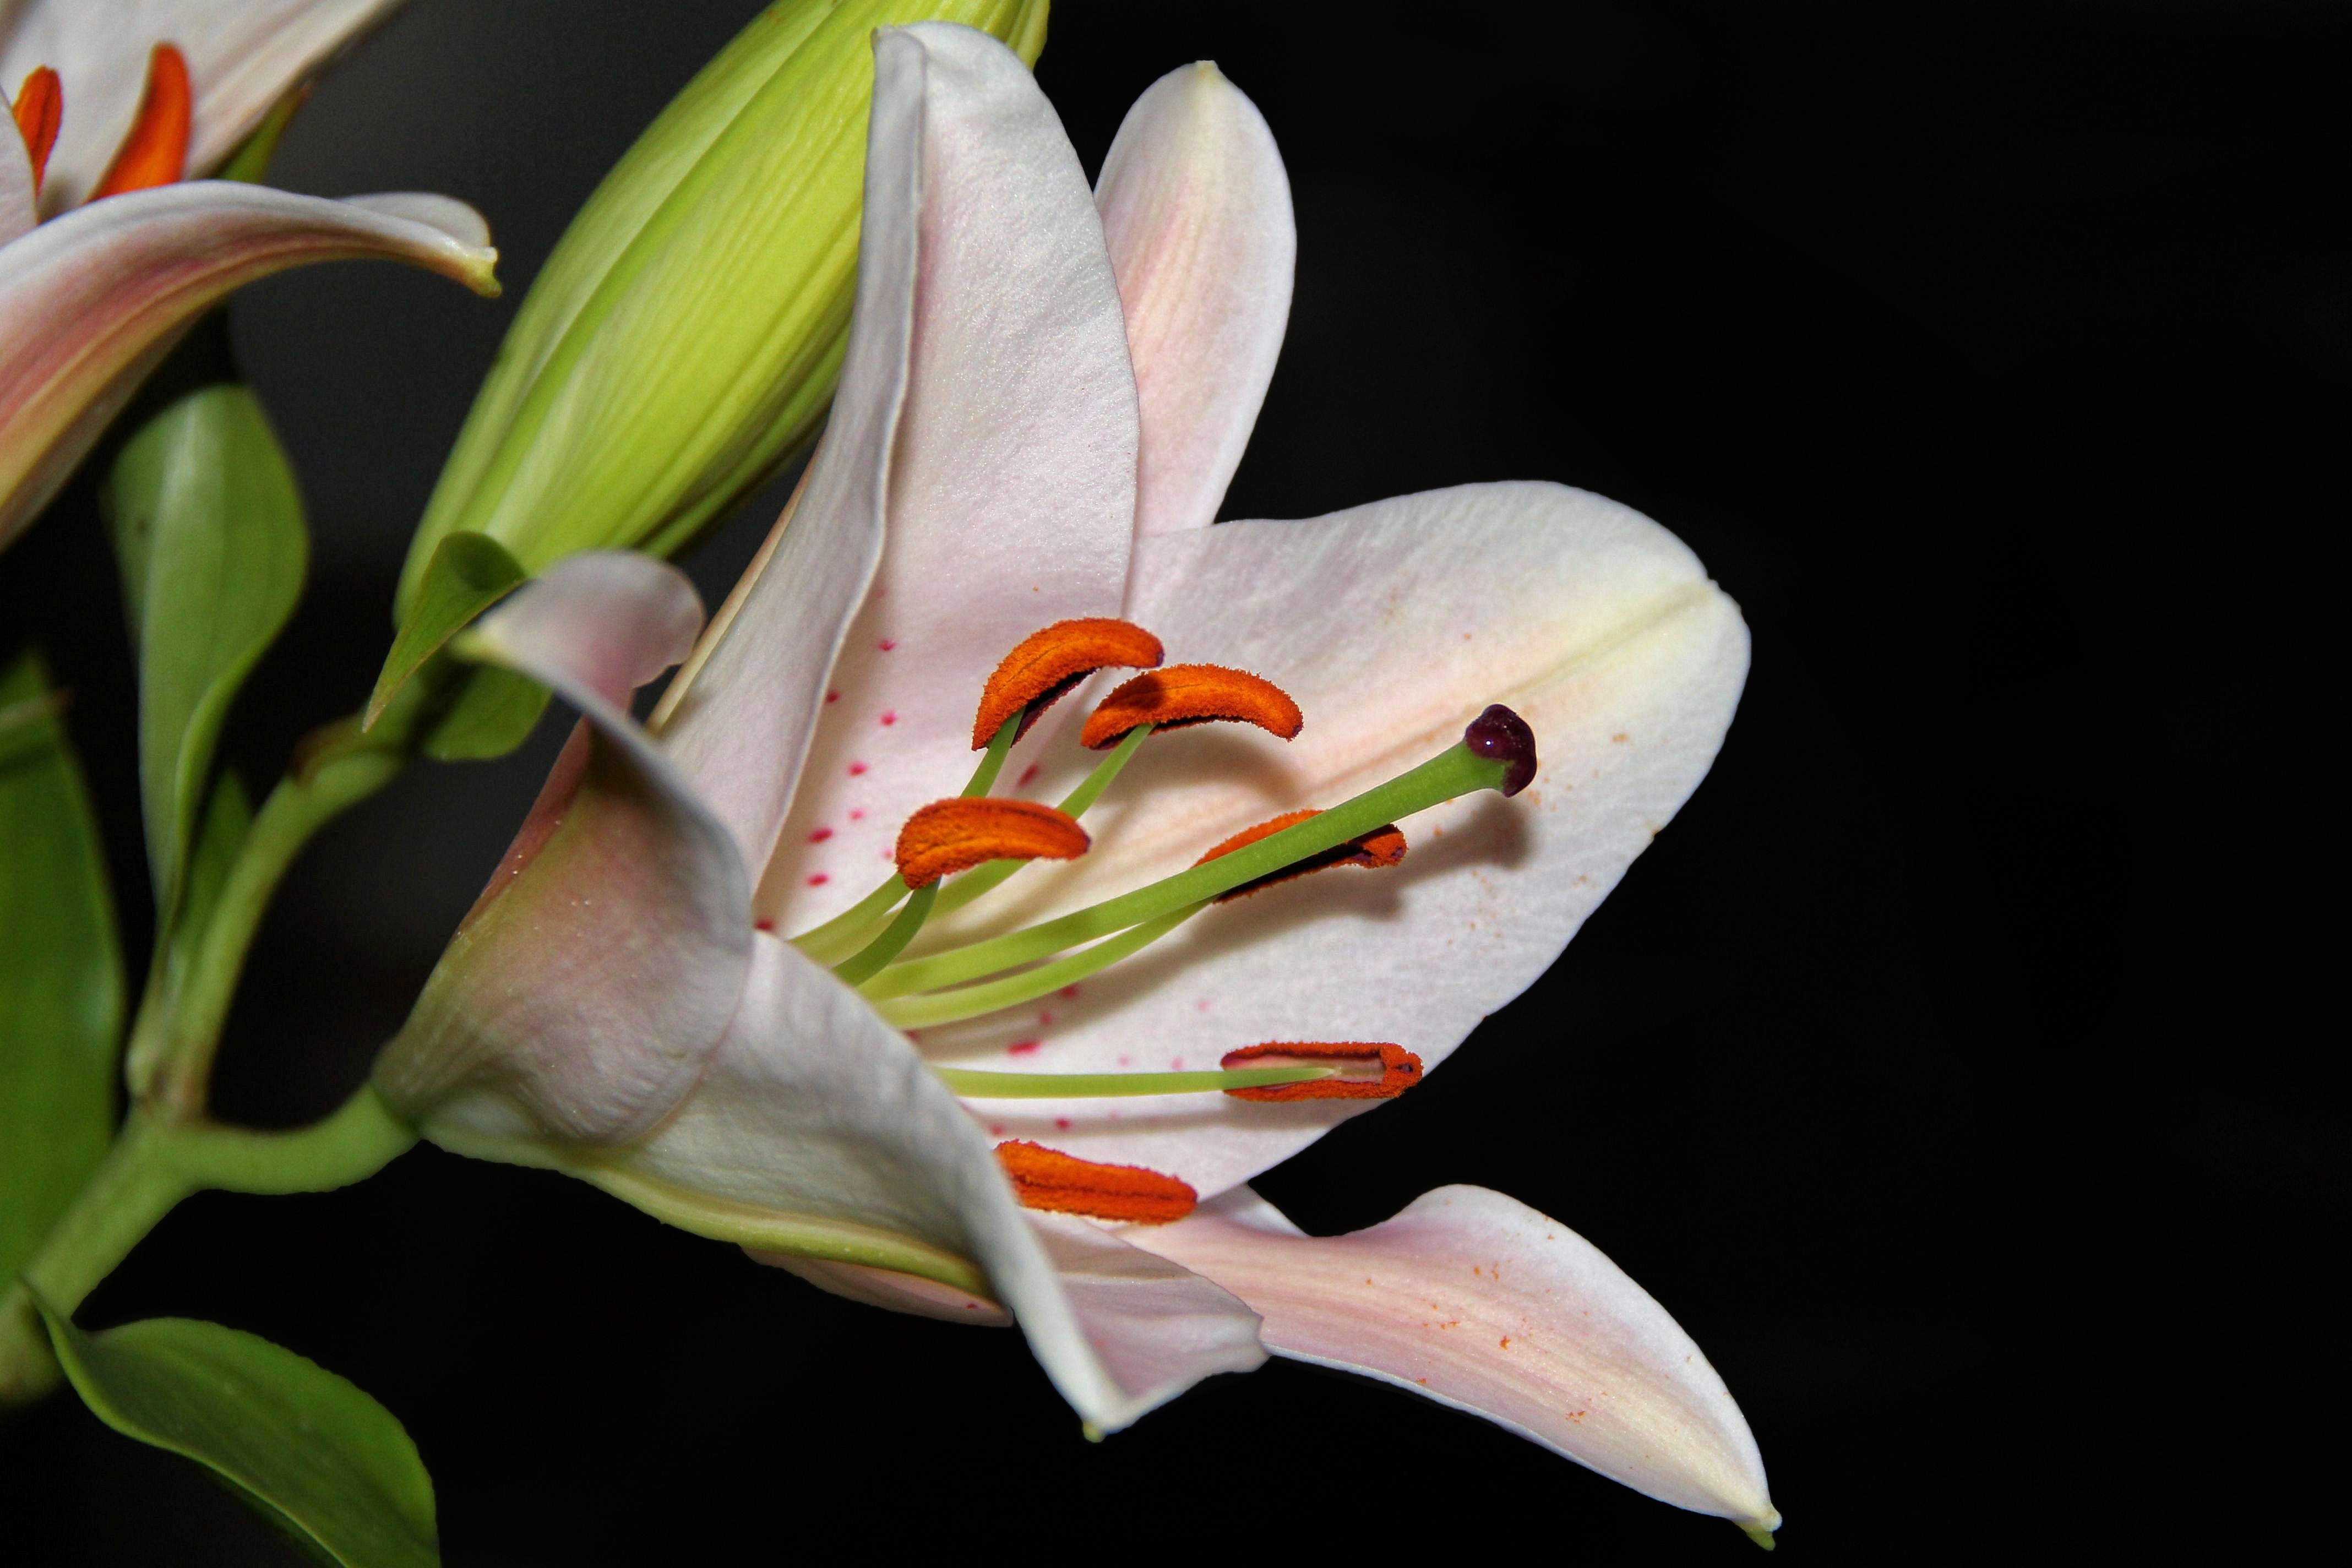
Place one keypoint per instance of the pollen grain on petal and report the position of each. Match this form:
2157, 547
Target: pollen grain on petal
155, 152
950, 835
1045, 665
1185, 694
1047, 1178
1370, 1070
1383, 846
40, 108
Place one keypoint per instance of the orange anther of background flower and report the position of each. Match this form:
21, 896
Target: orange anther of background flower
155, 152
40, 105
1383, 846
1047, 1178
1399, 1070
1048, 663
950, 835
1192, 694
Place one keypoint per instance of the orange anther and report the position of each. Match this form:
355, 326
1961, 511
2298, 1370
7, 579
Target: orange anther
1369, 1071
1192, 694
40, 105
1383, 846
1047, 1178
155, 152
1047, 664
950, 835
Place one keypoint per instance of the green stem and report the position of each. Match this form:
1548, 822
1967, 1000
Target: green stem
175, 1040
869, 960
972, 1001
155, 1163
978, 1084
981, 879
1455, 771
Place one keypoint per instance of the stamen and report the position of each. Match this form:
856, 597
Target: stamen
976, 1001
1047, 664
1383, 846
155, 152
965, 889
1501, 736
869, 960
975, 1084
1457, 770
1368, 1070
1047, 1178
40, 106
1186, 694
950, 835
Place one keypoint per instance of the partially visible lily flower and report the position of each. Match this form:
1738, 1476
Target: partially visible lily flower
112, 106
1045, 393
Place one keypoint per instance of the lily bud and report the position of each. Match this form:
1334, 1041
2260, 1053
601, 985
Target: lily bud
683, 338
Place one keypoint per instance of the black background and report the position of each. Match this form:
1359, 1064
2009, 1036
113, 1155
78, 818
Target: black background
1939, 1068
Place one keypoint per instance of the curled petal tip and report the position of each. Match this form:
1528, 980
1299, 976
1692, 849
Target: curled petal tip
1759, 1531
1501, 736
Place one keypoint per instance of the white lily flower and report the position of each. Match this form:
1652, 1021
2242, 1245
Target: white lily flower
1046, 393
124, 101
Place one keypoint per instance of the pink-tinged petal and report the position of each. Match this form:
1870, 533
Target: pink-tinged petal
1012, 494
583, 995
89, 302
1393, 624
740, 717
1480, 1302
242, 55
817, 1130
891, 1290
1196, 208
17, 211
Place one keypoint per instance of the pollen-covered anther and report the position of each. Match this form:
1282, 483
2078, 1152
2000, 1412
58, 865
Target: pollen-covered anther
1047, 665
1368, 1070
950, 835
155, 152
1383, 846
1186, 694
1047, 1178
39, 109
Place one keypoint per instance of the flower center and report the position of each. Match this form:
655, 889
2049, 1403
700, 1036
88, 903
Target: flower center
981, 839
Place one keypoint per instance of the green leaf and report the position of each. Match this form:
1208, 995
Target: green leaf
228, 816
492, 715
62, 978
318, 1456
207, 524
468, 574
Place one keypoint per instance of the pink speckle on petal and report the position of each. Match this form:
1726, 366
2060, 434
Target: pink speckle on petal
1045, 1020
819, 880
832, 697
763, 923
1175, 1064
1026, 774
857, 815
1021, 1047
856, 769
1063, 1122
995, 1131
821, 835
1126, 1061
890, 643
890, 717
1068, 994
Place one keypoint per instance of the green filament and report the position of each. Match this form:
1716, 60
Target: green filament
974, 1001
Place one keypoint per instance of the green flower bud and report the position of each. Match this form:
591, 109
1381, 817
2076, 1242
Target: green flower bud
685, 337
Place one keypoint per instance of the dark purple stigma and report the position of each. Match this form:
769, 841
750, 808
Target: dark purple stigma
1501, 736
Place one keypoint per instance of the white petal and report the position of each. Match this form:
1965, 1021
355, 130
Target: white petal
20, 208
585, 992
90, 301
242, 55
1393, 624
816, 1123
1013, 492
1196, 208
1480, 1302
739, 716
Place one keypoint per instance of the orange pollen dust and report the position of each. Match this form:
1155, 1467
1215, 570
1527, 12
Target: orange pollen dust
950, 835
40, 107
155, 152
1192, 694
1383, 846
1399, 1070
1046, 664
1047, 1178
